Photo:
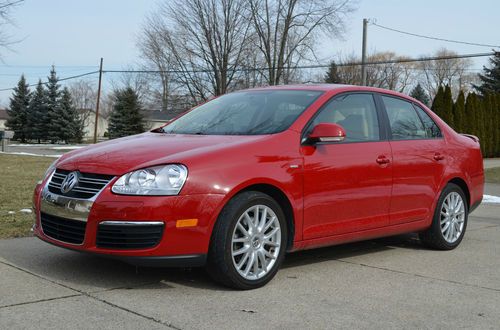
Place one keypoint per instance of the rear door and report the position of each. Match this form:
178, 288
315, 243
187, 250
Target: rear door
347, 185
418, 151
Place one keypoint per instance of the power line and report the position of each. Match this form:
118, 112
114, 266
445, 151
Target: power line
316, 66
46, 66
61, 79
434, 38
422, 59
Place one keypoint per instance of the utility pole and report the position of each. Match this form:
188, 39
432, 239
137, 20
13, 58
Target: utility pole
97, 104
363, 52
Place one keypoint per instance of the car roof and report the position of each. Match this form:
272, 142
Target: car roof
332, 87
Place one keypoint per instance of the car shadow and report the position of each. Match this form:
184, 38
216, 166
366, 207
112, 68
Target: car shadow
337, 252
91, 273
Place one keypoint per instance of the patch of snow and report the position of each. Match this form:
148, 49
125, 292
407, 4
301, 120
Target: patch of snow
41, 145
31, 145
28, 154
489, 199
11, 212
28, 211
66, 147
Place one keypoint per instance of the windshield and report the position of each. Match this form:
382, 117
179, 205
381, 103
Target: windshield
245, 113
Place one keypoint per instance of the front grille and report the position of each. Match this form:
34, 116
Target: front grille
61, 229
87, 187
128, 236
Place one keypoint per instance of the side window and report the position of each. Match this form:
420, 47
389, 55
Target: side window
431, 129
356, 113
404, 121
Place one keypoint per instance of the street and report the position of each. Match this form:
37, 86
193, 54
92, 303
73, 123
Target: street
385, 283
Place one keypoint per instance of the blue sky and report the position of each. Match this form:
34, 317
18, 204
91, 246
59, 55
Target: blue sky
73, 34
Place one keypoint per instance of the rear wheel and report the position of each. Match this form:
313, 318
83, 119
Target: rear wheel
248, 242
450, 220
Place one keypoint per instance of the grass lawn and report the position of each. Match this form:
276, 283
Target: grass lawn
18, 176
492, 175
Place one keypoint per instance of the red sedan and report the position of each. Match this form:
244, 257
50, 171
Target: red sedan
239, 181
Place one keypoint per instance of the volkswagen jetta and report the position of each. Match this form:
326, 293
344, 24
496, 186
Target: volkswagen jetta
239, 181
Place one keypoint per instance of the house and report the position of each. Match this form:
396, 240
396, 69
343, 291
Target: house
3, 119
88, 116
157, 118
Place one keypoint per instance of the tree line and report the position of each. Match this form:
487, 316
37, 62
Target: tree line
400, 75
45, 114
48, 113
478, 113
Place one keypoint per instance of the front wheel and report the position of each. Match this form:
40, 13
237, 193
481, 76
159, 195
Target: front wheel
248, 242
450, 220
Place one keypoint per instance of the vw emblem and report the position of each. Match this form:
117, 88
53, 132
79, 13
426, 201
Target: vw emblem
69, 182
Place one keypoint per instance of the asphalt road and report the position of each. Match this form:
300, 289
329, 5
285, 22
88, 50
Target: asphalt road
386, 283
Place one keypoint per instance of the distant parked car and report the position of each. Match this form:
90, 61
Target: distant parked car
237, 182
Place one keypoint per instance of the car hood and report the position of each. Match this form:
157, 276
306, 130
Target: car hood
119, 156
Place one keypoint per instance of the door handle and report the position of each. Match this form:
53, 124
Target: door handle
383, 160
438, 156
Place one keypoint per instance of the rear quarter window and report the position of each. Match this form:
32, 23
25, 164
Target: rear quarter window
431, 128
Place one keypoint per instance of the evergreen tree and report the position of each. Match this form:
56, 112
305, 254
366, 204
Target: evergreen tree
496, 125
66, 119
37, 115
470, 121
490, 80
479, 121
18, 111
419, 93
491, 124
459, 113
56, 125
448, 106
487, 137
438, 102
332, 75
126, 117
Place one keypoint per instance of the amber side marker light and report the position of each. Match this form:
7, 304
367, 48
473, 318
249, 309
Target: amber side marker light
186, 223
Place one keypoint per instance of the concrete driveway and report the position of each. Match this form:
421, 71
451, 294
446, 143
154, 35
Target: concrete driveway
387, 283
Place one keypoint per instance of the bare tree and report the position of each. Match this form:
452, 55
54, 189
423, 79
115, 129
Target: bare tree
201, 41
139, 82
453, 72
84, 95
6, 7
154, 45
388, 70
392, 72
287, 30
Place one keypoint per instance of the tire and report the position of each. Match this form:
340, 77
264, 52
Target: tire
226, 263
440, 235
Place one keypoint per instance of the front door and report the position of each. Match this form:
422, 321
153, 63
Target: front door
347, 185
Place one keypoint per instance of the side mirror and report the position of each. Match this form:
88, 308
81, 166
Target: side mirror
327, 132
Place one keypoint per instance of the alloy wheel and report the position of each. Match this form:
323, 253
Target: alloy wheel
452, 217
256, 242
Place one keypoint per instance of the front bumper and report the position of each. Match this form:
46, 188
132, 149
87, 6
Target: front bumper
178, 246
191, 260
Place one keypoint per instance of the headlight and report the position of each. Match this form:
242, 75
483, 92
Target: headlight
49, 171
157, 180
